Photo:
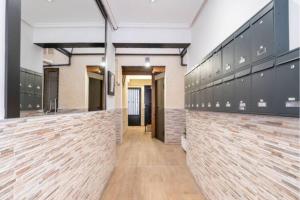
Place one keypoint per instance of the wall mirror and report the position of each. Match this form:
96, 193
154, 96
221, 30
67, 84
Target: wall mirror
62, 57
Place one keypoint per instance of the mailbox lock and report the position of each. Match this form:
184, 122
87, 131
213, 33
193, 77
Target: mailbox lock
242, 60
262, 74
227, 67
292, 66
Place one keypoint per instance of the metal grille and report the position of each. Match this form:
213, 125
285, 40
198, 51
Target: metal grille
133, 101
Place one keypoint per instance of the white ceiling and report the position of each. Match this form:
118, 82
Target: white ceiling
161, 13
61, 12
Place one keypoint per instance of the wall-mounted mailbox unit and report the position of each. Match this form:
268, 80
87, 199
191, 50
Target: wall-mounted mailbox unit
252, 71
31, 84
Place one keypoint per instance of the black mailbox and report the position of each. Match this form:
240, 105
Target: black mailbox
262, 90
242, 44
287, 84
263, 36
243, 94
218, 102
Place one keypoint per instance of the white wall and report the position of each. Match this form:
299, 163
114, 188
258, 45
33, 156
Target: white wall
152, 35
74, 83
2, 57
68, 34
31, 54
220, 18
294, 9
110, 65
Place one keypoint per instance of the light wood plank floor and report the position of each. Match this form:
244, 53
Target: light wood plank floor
147, 169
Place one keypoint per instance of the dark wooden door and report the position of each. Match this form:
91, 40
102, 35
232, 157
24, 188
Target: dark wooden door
148, 104
95, 94
51, 78
160, 110
134, 106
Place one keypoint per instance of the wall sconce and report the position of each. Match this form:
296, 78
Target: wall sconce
147, 62
103, 62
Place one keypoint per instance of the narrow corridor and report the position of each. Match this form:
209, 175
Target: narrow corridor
147, 169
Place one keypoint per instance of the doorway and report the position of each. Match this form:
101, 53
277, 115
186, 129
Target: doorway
160, 107
134, 106
51, 79
95, 94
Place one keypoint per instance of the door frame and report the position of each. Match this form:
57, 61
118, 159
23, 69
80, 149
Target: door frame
140, 104
45, 90
158, 77
147, 86
156, 71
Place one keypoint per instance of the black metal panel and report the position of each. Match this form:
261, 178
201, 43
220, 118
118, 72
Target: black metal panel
29, 83
12, 58
152, 45
242, 45
218, 102
217, 65
197, 100
209, 98
262, 92
193, 100
197, 78
209, 71
229, 96
202, 100
38, 84
243, 94
71, 45
22, 81
263, 37
287, 86
228, 58
203, 75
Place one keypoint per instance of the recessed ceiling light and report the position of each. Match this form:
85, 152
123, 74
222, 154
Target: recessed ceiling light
152, 1
50, 1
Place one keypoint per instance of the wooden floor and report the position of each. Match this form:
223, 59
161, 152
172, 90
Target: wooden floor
147, 169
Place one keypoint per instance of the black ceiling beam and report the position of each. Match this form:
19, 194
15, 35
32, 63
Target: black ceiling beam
144, 54
63, 51
104, 13
71, 45
152, 45
102, 8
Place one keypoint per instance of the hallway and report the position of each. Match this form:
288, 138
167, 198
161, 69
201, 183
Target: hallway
150, 170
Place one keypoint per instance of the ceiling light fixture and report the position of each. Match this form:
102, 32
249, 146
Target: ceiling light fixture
50, 1
147, 62
152, 1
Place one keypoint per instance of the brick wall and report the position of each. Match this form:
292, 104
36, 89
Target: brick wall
174, 125
57, 157
235, 157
